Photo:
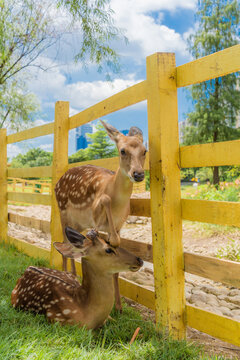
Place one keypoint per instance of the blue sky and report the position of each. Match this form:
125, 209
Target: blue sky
150, 26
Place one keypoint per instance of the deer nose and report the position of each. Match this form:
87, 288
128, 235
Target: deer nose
138, 176
140, 261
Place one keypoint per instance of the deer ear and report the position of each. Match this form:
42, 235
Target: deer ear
113, 133
78, 246
135, 131
74, 237
67, 250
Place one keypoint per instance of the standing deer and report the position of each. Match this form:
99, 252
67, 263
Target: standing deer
93, 197
59, 296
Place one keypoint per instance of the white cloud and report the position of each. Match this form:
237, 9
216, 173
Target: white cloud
145, 32
13, 150
46, 147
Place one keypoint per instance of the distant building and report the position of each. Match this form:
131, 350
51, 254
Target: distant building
124, 132
81, 138
181, 126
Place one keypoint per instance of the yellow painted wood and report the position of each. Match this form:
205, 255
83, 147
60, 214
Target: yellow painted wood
220, 270
59, 167
127, 97
137, 293
29, 198
218, 64
30, 249
140, 207
30, 222
3, 186
213, 212
108, 163
213, 154
38, 171
220, 327
30, 133
165, 194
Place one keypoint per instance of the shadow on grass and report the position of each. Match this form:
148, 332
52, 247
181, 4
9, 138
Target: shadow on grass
28, 336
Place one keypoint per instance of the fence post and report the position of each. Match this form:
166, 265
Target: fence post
59, 167
165, 194
3, 186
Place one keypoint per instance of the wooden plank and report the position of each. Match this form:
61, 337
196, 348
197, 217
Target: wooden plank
138, 248
220, 327
30, 249
3, 186
208, 67
59, 167
38, 171
108, 163
213, 154
165, 194
30, 133
220, 270
213, 212
42, 225
137, 293
127, 97
29, 198
140, 207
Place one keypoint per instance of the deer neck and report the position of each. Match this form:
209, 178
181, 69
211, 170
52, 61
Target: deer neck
122, 185
98, 291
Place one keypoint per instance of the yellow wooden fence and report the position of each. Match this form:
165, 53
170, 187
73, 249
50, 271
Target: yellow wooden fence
165, 207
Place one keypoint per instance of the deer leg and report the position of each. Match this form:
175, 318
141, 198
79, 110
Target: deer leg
114, 239
118, 304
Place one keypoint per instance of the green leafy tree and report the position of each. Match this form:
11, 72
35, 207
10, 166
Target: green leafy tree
28, 28
100, 146
216, 102
80, 155
34, 157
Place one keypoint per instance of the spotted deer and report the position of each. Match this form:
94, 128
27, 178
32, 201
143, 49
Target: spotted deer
93, 197
59, 296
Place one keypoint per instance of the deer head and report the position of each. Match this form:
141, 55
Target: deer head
104, 257
131, 150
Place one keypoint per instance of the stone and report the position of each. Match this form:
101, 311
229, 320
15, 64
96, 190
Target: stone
235, 300
234, 292
225, 311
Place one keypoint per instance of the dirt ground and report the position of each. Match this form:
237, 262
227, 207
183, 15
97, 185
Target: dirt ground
200, 292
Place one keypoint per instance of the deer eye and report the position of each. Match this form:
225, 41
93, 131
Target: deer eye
109, 251
145, 152
123, 152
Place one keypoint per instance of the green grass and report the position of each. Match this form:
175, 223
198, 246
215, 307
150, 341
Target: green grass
28, 336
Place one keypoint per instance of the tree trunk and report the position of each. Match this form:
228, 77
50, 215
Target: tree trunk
215, 175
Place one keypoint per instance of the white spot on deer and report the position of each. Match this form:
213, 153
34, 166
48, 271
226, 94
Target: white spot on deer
62, 298
83, 204
74, 311
49, 314
66, 311
14, 291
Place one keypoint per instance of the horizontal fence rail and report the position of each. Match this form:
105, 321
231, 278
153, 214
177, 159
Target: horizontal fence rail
213, 154
219, 270
123, 99
38, 172
31, 133
213, 212
215, 325
218, 64
40, 199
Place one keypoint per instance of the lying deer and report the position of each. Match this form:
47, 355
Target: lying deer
93, 197
60, 297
